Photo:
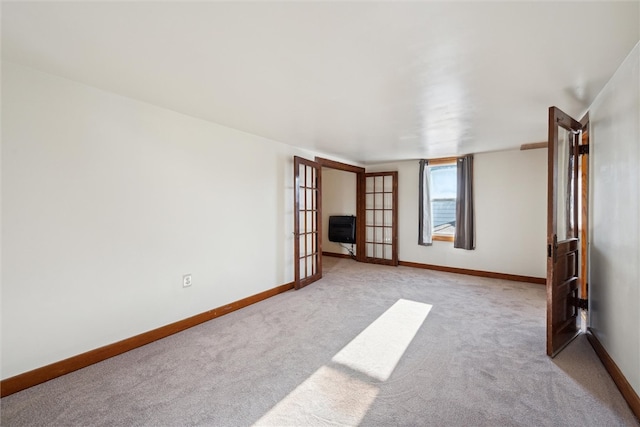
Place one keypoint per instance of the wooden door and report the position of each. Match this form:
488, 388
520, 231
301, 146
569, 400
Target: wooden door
307, 222
563, 242
381, 218
584, 207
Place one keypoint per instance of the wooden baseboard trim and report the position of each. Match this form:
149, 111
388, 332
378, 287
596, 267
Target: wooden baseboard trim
336, 255
480, 273
54, 370
618, 377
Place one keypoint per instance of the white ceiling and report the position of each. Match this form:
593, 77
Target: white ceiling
364, 81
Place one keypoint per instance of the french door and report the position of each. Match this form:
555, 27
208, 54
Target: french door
307, 221
377, 213
563, 238
381, 218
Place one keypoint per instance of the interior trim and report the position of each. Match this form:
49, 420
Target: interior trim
480, 273
534, 145
442, 161
618, 377
57, 369
336, 255
332, 164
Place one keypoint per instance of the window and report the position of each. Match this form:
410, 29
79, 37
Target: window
438, 191
443, 199
445, 183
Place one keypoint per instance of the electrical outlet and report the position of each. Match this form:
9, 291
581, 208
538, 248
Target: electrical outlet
186, 280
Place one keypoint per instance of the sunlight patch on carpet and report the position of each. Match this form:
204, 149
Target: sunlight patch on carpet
377, 350
333, 397
326, 397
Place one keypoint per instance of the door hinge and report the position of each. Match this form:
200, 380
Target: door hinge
580, 303
552, 248
583, 149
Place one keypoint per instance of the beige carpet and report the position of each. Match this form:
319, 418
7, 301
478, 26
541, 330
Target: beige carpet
367, 345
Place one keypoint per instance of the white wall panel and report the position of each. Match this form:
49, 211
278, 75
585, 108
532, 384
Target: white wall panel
108, 201
615, 218
510, 202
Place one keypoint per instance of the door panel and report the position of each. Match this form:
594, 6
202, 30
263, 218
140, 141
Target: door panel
307, 221
584, 207
381, 218
562, 231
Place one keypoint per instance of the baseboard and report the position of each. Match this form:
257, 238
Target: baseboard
336, 255
618, 377
54, 370
480, 273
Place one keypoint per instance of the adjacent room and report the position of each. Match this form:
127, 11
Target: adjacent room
320, 213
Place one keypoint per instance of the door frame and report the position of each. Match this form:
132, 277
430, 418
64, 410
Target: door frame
361, 176
360, 183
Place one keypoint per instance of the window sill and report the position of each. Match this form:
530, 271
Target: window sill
442, 238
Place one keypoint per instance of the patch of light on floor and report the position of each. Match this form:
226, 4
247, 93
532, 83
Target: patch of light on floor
378, 349
326, 397
331, 396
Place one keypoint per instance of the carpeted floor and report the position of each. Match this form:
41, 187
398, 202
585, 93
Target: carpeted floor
437, 349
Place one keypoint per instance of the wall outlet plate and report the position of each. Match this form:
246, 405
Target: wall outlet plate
186, 280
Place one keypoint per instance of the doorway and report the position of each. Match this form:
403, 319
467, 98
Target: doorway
376, 217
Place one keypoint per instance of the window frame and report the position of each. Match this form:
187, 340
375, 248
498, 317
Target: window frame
442, 162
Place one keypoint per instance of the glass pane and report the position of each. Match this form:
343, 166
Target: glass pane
388, 200
369, 218
378, 218
301, 171
444, 181
379, 250
309, 225
309, 181
309, 199
309, 247
369, 236
388, 218
387, 252
303, 272
564, 202
387, 235
388, 184
378, 201
301, 217
369, 186
378, 235
302, 248
369, 201
310, 265
378, 185
370, 250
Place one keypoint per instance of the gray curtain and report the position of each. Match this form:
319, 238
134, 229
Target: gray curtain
465, 236
425, 227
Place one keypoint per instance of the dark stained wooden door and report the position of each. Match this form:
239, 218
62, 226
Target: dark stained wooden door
307, 222
563, 240
381, 218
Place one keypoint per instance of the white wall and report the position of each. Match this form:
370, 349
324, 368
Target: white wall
108, 201
615, 218
510, 203
338, 198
